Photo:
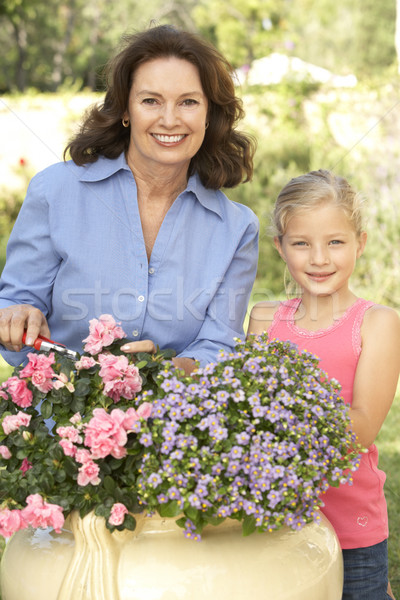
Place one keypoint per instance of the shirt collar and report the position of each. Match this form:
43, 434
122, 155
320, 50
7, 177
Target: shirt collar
106, 167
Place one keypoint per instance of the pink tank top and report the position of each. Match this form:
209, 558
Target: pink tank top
358, 512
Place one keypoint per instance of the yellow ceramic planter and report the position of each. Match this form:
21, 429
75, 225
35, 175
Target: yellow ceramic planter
156, 562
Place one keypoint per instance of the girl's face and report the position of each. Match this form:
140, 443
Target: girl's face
320, 248
167, 109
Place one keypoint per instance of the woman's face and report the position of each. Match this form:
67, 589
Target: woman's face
167, 110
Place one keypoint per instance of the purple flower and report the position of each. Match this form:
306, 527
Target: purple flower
242, 438
154, 480
146, 439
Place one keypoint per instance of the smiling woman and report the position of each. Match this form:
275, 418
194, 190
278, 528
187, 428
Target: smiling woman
124, 227
167, 111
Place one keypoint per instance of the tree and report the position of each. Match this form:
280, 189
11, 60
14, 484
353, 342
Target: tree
242, 29
397, 34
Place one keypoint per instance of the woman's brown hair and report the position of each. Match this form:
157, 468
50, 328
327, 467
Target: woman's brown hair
225, 158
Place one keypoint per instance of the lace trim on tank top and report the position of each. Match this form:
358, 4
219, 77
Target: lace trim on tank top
287, 310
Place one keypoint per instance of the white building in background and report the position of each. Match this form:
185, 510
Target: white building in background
276, 67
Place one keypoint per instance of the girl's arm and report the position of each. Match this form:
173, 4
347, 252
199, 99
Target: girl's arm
261, 317
377, 372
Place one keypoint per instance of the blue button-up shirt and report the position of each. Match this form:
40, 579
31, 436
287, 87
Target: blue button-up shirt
77, 251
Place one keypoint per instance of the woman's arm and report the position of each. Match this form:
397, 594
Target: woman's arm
261, 317
27, 278
377, 372
223, 321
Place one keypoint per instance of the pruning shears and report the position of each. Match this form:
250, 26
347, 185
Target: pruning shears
44, 344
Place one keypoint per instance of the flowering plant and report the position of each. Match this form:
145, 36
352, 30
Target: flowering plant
256, 436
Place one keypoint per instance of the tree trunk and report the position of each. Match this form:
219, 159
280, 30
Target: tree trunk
58, 60
20, 70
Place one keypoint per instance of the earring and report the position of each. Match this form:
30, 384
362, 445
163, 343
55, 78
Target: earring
125, 122
207, 124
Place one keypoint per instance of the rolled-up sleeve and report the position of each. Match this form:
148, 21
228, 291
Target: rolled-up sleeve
31, 264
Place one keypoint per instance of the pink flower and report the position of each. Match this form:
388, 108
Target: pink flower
102, 333
39, 513
105, 433
118, 513
10, 522
83, 456
40, 371
120, 378
70, 433
68, 447
3, 394
132, 415
20, 394
13, 422
76, 419
5, 452
25, 466
86, 362
88, 473
62, 381
39, 380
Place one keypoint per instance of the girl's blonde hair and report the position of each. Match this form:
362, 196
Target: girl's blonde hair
314, 188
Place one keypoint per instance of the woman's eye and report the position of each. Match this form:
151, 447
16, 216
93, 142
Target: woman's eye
189, 102
150, 101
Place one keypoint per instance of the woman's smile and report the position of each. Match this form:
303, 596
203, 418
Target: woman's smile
168, 139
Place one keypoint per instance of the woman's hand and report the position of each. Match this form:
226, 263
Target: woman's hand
187, 364
142, 346
17, 318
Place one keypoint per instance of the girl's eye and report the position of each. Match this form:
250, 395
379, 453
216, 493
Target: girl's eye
299, 243
336, 242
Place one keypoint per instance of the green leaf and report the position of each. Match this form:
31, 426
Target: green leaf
46, 409
82, 387
169, 510
249, 525
109, 484
192, 513
130, 522
141, 364
102, 511
78, 405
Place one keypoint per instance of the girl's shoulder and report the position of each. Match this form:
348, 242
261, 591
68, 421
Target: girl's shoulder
379, 316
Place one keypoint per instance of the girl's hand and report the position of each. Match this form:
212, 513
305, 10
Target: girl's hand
15, 319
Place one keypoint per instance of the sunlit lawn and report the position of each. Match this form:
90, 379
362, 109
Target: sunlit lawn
389, 447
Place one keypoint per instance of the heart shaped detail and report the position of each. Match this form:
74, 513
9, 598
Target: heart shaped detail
362, 521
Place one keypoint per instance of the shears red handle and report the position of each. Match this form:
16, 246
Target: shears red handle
44, 344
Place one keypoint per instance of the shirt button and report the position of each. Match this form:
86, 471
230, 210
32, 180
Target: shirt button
141, 298
135, 332
151, 270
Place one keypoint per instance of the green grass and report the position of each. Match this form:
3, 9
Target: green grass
389, 449
388, 443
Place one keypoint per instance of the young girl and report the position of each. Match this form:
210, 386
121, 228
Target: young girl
319, 235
